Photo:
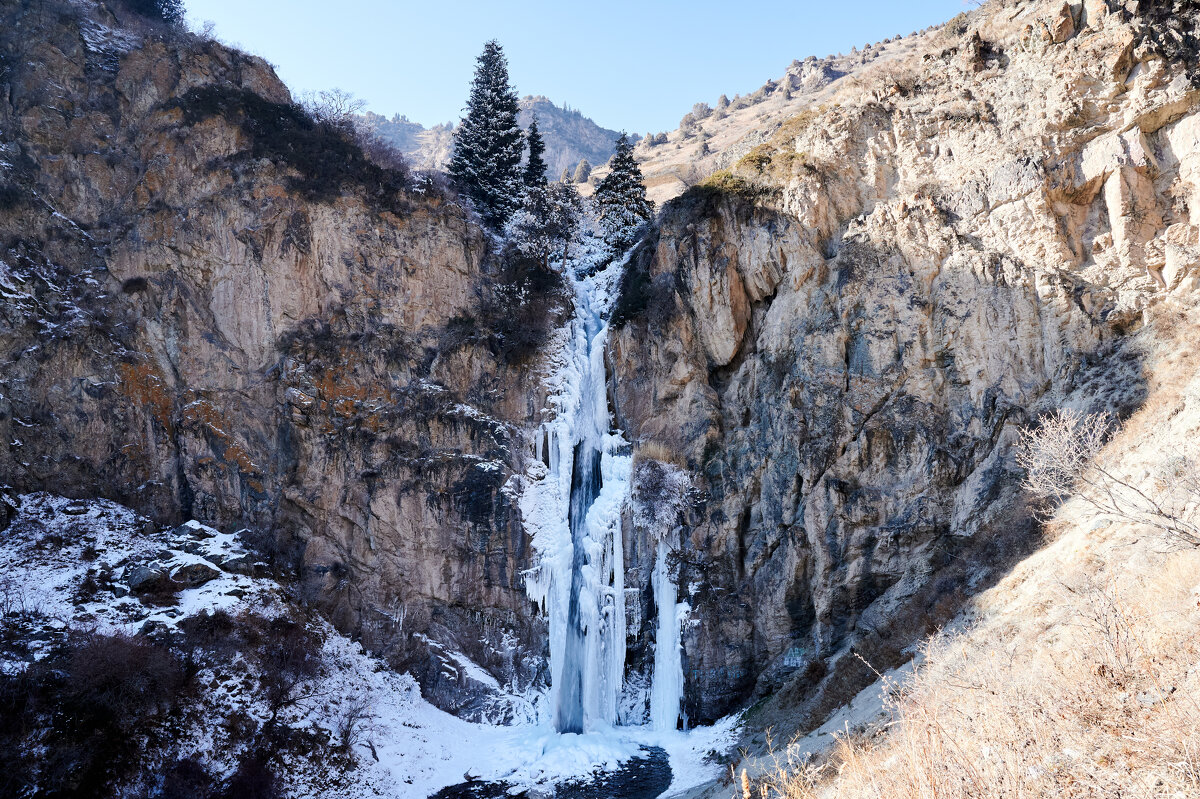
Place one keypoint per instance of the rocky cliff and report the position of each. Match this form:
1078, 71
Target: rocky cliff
840, 337
211, 307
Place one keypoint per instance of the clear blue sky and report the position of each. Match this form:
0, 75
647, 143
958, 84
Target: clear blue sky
629, 65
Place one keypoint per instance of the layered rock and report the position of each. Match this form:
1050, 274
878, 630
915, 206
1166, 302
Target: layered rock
841, 338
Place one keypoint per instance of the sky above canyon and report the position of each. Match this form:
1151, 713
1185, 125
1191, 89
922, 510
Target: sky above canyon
637, 66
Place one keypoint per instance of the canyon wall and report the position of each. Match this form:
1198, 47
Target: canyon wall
840, 338
212, 308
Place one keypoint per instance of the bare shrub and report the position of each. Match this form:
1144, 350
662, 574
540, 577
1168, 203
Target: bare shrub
352, 722
1064, 457
334, 107
77, 722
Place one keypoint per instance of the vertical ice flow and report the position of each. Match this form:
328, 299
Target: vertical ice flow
572, 506
573, 509
666, 687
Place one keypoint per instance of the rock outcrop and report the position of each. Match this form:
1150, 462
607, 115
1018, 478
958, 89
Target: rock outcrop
841, 337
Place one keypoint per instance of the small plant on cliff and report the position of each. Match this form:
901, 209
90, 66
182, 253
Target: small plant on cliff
336, 107
621, 198
488, 144
1064, 458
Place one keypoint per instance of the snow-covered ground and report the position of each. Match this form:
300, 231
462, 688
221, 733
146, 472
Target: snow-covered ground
70, 564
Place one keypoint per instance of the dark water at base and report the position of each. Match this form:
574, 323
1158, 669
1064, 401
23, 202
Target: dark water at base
644, 777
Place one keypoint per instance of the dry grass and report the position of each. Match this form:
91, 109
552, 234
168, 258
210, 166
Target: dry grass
654, 451
1106, 704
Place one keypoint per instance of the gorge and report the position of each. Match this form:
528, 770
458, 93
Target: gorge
669, 509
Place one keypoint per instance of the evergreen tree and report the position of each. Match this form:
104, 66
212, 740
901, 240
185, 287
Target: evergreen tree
168, 11
535, 167
565, 177
488, 144
547, 223
583, 171
621, 198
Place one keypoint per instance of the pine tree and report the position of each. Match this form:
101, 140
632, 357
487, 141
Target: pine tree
565, 177
535, 167
488, 144
583, 171
168, 11
621, 198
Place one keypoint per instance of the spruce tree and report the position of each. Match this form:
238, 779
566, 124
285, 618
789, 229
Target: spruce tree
547, 224
535, 167
566, 176
621, 198
488, 144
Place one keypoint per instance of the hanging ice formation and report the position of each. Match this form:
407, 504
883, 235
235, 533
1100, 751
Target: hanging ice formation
572, 505
666, 688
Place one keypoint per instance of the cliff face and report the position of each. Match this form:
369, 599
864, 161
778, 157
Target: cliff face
213, 309
840, 338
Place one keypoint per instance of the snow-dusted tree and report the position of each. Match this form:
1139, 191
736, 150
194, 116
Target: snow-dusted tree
547, 223
621, 198
168, 11
535, 167
583, 171
565, 177
488, 144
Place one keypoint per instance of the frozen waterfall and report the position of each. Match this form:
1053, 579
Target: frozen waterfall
572, 503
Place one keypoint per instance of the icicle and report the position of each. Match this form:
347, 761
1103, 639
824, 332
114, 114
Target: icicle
666, 687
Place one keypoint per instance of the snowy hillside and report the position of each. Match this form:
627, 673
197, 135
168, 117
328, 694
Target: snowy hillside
93, 580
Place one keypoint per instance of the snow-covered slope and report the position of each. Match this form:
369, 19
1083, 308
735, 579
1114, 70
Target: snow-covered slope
86, 569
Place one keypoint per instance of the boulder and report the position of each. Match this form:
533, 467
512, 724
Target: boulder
143, 579
194, 574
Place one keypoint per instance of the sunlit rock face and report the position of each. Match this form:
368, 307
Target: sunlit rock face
206, 314
840, 338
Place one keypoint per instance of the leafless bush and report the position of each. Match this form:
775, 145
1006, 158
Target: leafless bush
13, 601
352, 722
334, 107
1063, 457
382, 153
